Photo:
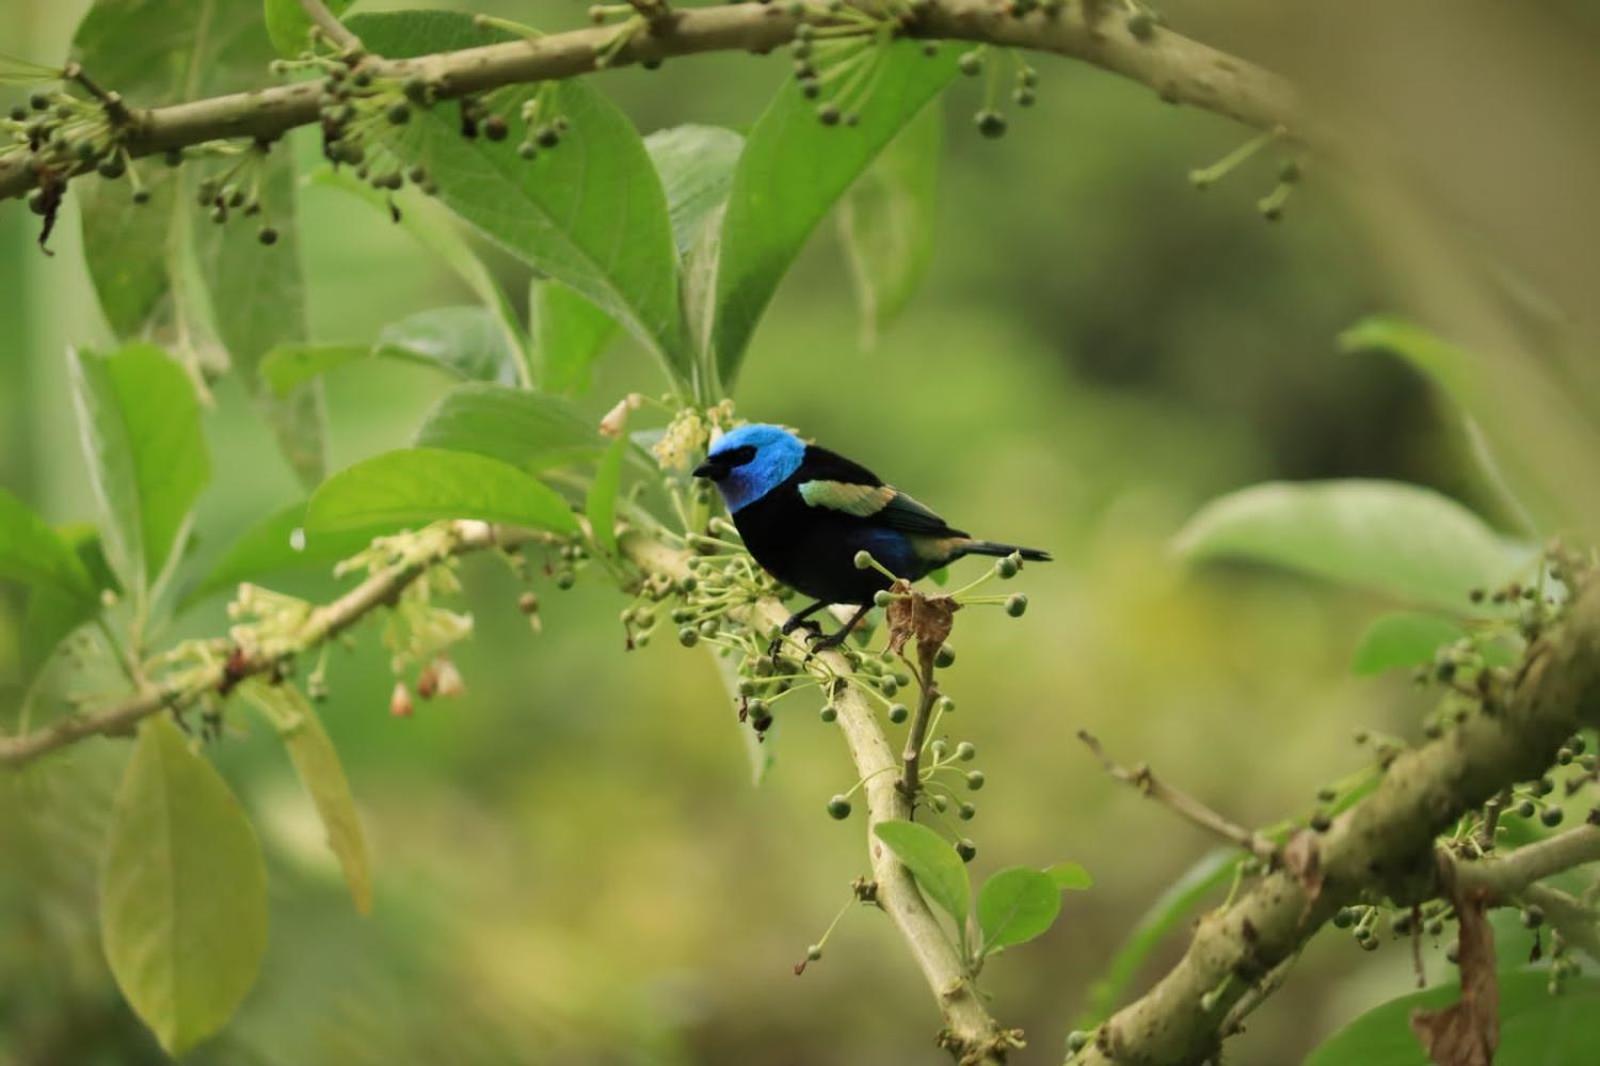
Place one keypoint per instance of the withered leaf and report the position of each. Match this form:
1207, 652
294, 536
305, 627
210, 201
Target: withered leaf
927, 619
1466, 1033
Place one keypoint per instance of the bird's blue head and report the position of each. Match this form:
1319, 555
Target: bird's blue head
747, 463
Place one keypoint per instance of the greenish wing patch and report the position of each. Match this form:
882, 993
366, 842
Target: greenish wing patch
863, 501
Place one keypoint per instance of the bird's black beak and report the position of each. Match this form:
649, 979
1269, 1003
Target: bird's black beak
711, 468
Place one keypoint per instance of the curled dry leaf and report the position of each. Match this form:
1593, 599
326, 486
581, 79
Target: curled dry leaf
927, 619
1466, 1033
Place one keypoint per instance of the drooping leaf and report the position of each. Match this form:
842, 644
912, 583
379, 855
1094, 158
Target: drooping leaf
1166, 914
54, 613
289, 366
1536, 1028
569, 334
140, 425
464, 341
526, 429
589, 212
1070, 876
1403, 638
439, 233
888, 219
416, 486
290, 27
35, 554
277, 544
696, 164
792, 171
1015, 905
158, 270
933, 862
602, 502
317, 762
183, 894
1403, 541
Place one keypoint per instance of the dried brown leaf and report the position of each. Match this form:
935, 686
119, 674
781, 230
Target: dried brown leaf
1466, 1033
927, 619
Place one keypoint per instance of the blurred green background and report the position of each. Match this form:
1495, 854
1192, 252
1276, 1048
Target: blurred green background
572, 865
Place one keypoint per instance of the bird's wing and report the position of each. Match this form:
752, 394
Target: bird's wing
880, 504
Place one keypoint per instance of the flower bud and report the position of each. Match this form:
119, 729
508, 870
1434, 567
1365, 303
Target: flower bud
863, 560
400, 704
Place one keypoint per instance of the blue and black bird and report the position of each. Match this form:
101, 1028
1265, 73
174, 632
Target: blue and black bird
805, 512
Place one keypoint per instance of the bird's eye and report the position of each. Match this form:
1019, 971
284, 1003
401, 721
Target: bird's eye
736, 456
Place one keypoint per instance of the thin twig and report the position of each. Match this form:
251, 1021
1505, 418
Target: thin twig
332, 28
1144, 779
911, 778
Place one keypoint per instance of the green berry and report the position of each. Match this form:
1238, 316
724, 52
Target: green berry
1524, 809
267, 235
966, 849
1344, 918
991, 124
966, 751
828, 713
1077, 1040
495, 128
937, 750
814, 952
1016, 604
966, 812
688, 636
863, 560
970, 64
882, 598
975, 780
839, 808
1532, 916
1551, 817
1006, 568
565, 579
945, 658
1142, 25
828, 115
946, 704
938, 803
898, 713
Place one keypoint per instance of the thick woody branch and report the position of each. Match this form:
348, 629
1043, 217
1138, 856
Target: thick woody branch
1180, 70
1383, 846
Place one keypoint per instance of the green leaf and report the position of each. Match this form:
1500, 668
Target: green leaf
1404, 541
437, 231
526, 429
406, 489
33, 553
289, 366
1403, 638
1536, 1028
1070, 876
569, 334
933, 862
888, 220
290, 27
696, 164
160, 272
1166, 914
464, 341
601, 505
140, 424
183, 894
53, 613
277, 544
589, 212
792, 171
317, 762
1016, 905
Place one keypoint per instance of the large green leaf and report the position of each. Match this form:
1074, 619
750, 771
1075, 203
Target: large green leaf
1404, 541
183, 895
792, 171
290, 27
601, 505
569, 334
1536, 1028
1016, 905
526, 429
410, 488
317, 762
277, 544
140, 424
590, 213
158, 269
33, 553
464, 341
696, 164
1403, 638
933, 862
888, 220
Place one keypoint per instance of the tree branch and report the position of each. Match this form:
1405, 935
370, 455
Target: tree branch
1382, 846
1181, 70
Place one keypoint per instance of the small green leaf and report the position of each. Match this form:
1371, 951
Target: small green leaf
290, 27
413, 487
140, 424
1536, 1028
1070, 876
277, 544
1403, 638
529, 430
288, 366
317, 762
933, 862
1016, 905
569, 334
1404, 541
792, 171
54, 614
183, 894
465, 341
602, 502
888, 220
1167, 913
33, 553
589, 212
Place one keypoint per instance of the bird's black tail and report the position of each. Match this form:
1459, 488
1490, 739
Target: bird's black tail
994, 547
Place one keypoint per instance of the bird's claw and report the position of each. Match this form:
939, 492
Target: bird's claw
789, 627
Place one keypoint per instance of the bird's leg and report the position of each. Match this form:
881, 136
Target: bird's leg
844, 630
796, 621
